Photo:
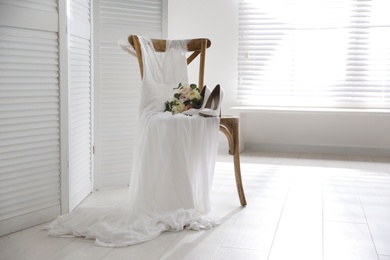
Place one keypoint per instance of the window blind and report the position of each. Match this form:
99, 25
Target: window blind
320, 53
29, 115
119, 85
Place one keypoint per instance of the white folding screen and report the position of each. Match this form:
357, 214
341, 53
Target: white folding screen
79, 100
29, 114
45, 125
117, 82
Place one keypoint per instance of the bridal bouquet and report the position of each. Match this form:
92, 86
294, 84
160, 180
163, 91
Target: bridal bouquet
186, 97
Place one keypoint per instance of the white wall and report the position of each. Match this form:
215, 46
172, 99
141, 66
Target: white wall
216, 20
357, 133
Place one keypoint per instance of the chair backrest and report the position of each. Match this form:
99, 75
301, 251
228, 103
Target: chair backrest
196, 46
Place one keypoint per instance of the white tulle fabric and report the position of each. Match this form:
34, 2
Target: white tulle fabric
173, 165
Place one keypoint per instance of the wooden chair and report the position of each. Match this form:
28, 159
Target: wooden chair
229, 125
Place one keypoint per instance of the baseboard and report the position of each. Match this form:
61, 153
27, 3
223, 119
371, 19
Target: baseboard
317, 149
28, 220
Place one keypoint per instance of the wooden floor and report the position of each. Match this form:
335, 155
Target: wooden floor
300, 206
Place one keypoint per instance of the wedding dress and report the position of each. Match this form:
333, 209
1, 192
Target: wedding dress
173, 165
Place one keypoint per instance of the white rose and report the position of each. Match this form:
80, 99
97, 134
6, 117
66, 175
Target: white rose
194, 94
178, 107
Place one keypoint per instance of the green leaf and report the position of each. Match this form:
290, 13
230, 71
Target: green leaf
193, 86
168, 106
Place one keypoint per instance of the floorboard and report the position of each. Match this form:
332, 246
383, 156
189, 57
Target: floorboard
300, 206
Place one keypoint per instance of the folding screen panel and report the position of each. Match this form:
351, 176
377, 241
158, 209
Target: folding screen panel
118, 84
79, 96
29, 114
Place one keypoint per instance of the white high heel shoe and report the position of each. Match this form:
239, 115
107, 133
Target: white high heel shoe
213, 103
195, 111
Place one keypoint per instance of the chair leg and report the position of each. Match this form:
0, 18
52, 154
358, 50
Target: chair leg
230, 129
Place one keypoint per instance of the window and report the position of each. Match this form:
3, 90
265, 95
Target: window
317, 53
